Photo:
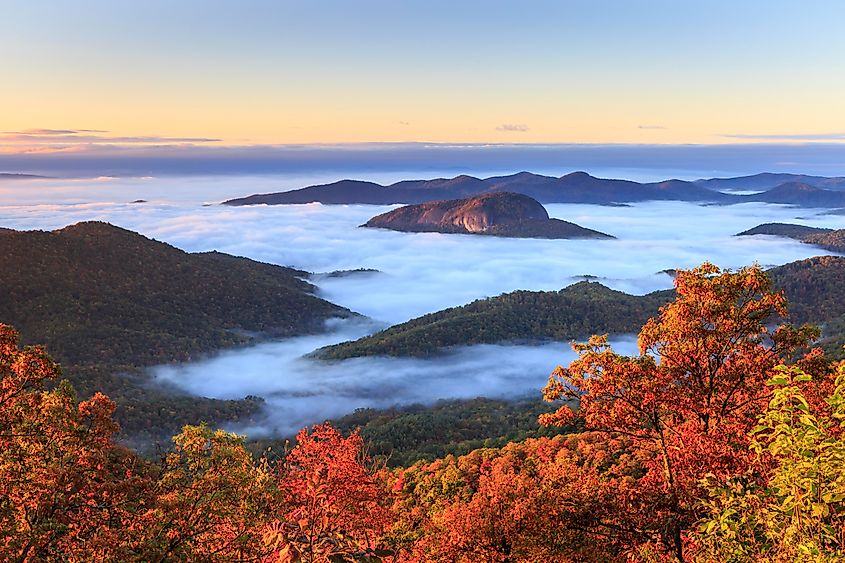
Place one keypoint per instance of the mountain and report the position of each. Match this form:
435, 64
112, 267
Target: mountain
344, 191
575, 312
797, 193
502, 214
768, 180
813, 287
106, 301
577, 187
580, 187
833, 240
829, 239
798, 232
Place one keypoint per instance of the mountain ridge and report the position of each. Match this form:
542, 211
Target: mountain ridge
574, 187
812, 286
829, 239
108, 302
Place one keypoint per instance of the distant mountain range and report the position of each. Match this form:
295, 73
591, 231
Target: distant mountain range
814, 288
767, 180
577, 187
501, 214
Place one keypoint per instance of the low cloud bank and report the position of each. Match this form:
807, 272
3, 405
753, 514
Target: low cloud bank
426, 272
300, 391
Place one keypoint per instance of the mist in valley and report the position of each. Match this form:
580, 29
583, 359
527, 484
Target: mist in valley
417, 273
300, 390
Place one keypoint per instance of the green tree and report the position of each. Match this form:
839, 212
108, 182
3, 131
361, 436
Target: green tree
792, 508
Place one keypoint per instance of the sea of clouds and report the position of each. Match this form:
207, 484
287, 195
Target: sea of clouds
300, 391
418, 273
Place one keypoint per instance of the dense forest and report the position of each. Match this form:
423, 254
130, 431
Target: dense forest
403, 435
107, 301
574, 312
722, 441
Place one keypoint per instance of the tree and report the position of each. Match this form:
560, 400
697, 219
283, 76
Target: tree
687, 401
791, 505
335, 506
211, 501
67, 492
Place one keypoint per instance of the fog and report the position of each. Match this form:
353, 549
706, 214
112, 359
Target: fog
301, 391
417, 273
425, 272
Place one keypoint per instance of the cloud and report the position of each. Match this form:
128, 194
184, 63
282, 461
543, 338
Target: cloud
53, 131
43, 132
650, 127
420, 273
828, 137
29, 141
512, 128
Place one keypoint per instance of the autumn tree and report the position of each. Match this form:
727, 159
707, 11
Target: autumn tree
507, 504
335, 505
66, 491
69, 493
687, 401
211, 501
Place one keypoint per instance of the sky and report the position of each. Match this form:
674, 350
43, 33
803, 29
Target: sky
213, 72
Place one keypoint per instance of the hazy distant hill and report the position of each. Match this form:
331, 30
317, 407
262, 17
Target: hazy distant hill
814, 288
798, 232
105, 300
796, 193
577, 187
826, 238
502, 214
768, 180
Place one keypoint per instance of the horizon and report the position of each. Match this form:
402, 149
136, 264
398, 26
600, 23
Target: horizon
370, 160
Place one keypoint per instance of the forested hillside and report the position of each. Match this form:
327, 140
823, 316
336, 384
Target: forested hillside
813, 287
829, 239
106, 301
574, 312
704, 450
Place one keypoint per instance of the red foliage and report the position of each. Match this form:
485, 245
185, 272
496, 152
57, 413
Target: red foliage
66, 491
334, 504
688, 401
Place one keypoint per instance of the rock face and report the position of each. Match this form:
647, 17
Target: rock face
502, 214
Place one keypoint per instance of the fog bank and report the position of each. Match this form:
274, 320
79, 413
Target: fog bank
300, 391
